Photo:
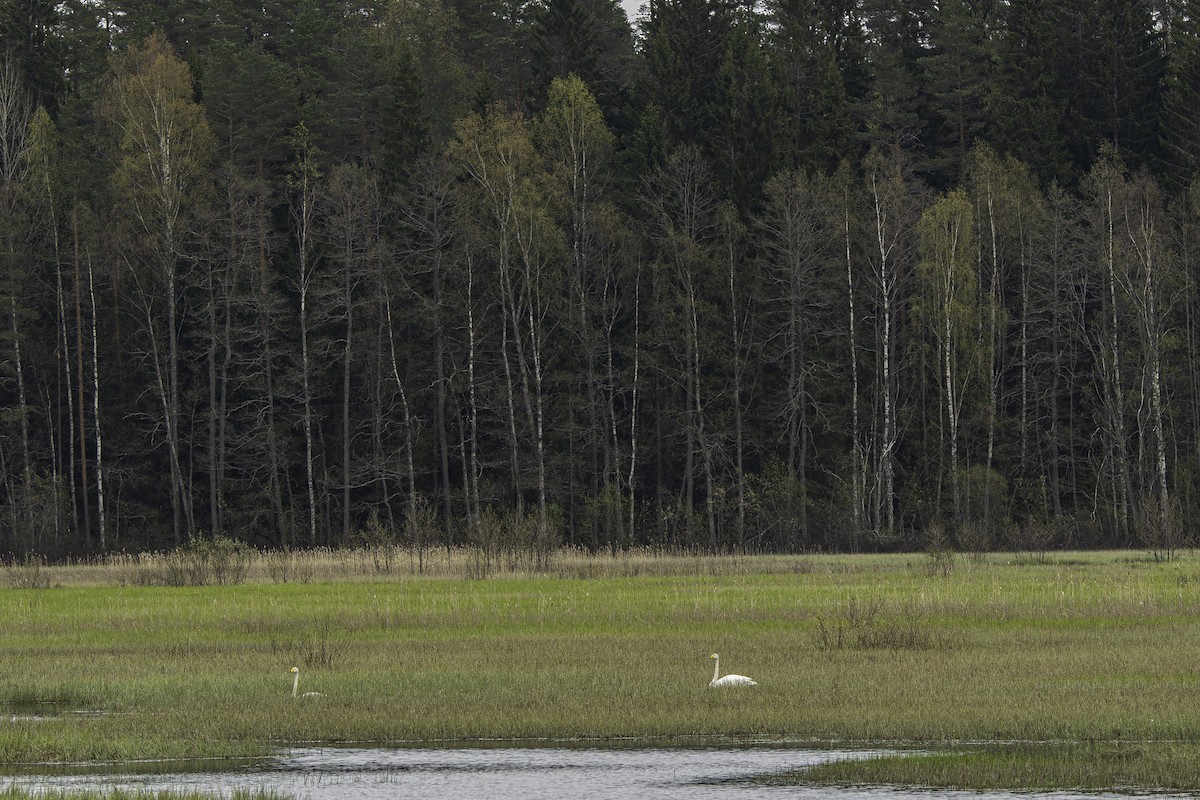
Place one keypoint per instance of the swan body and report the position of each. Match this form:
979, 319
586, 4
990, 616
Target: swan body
296, 685
719, 682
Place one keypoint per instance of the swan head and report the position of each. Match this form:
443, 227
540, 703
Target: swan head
713, 657
295, 670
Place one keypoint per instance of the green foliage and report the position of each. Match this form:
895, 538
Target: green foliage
585, 38
606, 514
685, 43
956, 72
985, 506
816, 59
778, 502
165, 142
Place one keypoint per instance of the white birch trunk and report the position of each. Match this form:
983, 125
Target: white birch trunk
99, 439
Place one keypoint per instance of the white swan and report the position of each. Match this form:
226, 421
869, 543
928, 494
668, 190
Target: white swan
296, 685
728, 680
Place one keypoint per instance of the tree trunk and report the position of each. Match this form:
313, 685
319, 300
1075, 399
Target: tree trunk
97, 431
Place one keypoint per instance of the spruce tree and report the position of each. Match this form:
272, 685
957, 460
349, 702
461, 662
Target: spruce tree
1179, 127
814, 112
1028, 99
1120, 75
685, 45
27, 29
956, 76
892, 109
745, 119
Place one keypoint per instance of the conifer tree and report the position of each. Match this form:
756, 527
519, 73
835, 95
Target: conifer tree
1119, 77
588, 38
685, 42
956, 78
1179, 125
1029, 102
28, 37
814, 107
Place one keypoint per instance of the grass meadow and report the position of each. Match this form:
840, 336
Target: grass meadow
1058, 666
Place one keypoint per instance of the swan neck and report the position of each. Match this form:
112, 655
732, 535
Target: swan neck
716, 669
295, 684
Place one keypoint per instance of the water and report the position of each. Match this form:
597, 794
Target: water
39, 710
515, 773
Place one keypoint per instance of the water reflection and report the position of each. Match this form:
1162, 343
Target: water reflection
515, 773
41, 710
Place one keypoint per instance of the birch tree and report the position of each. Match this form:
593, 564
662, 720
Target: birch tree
946, 304
891, 210
304, 185
1107, 335
519, 240
578, 146
164, 149
1147, 282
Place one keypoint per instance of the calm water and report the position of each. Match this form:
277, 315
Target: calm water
515, 773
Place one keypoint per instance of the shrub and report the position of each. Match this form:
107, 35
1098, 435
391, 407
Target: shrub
322, 647
421, 527
377, 542
1034, 537
208, 560
284, 566
1160, 530
28, 572
862, 624
939, 555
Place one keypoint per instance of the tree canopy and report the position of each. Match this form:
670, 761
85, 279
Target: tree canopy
782, 276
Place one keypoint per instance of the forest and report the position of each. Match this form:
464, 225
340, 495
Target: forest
731, 276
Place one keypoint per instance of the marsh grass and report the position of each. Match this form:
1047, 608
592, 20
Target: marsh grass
1081, 648
381, 559
1082, 766
48, 793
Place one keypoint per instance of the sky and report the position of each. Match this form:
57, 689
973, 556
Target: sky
631, 8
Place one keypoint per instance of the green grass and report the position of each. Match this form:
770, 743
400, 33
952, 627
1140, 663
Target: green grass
21, 793
1094, 648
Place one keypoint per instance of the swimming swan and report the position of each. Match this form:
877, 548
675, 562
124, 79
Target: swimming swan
728, 680
296, 685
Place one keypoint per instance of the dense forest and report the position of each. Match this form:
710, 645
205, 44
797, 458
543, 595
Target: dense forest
752, 276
